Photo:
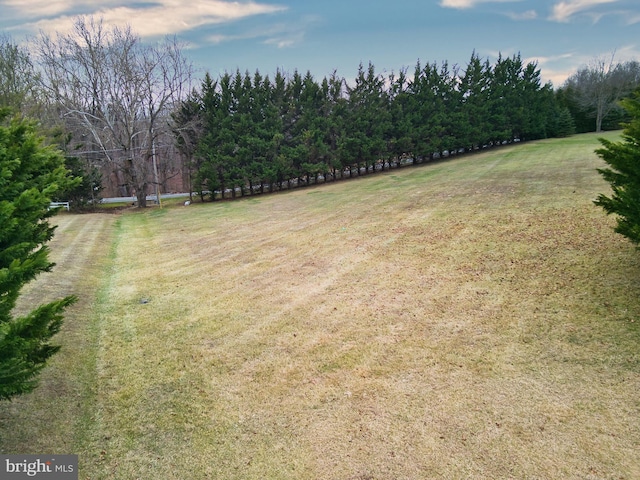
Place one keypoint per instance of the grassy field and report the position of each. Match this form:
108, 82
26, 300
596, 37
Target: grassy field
475, 318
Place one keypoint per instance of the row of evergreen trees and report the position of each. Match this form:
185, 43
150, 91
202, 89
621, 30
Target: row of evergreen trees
244, 132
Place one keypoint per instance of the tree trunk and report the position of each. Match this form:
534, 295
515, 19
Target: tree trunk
599, 116
141, 195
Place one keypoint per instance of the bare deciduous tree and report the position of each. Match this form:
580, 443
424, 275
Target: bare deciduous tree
600, 85
115, 93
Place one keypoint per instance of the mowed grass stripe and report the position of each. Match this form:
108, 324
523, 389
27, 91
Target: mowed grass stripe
55, 418
473, 318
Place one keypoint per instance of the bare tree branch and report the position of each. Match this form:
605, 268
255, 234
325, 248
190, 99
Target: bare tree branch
600, 85
115, 92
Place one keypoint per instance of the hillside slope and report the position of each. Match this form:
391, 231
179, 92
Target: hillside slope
474, 318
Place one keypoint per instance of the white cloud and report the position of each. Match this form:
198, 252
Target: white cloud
458, 3
528, 15
632, 18
50, 8
284, 42
463, 4
159, 18
218, 38
556, 77
556, 68
285, 35
280, 35
627, 53
563, 11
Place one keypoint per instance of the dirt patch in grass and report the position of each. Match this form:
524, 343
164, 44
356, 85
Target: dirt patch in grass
469, 319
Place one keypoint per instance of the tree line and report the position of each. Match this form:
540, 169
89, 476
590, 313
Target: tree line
125, 114
247, 132
593, 94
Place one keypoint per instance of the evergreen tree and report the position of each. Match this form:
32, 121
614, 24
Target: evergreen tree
335, 107
187, 123
538, 102
316, 149
566, 98
451, 119
474, 91
434, 113
255, 130
507, 107
277, 168
623, 159
218, 145
87, 192
368, 121
565, 125
296, 125
402, 110
30, 175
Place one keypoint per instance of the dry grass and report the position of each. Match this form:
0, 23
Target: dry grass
474, 318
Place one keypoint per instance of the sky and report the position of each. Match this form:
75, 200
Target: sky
337, 35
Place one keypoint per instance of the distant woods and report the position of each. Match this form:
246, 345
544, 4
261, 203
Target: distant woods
593, 93
246, 132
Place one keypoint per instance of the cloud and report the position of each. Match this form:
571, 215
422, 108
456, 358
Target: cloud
280, 35
528, 15
555, 68
154, 19
285, 42
42, 8
464, 4
627, 53
563, 11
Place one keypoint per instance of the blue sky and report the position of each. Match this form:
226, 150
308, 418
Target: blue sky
327, 35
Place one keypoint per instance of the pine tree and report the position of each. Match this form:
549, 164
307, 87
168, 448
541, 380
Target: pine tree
368, 121
474, 95
623, 159
565, 124
30, 174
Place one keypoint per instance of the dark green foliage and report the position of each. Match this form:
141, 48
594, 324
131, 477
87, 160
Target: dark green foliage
623, 159
566, 98
474, 128
367, 124
257, 132
432, 111
30, 175
25, 347
565, 126
85, 193
401, 113
187, 130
